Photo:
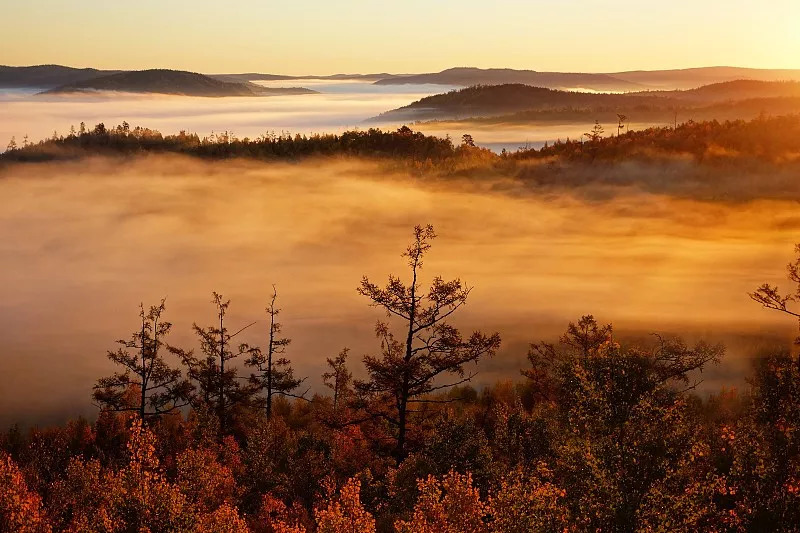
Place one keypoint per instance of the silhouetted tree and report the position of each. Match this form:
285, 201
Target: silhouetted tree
220, 388
596, 133
275, 374
12, 144
770, 297
407, 370
147, 386
621, 123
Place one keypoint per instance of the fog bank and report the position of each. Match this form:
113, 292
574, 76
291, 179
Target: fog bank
84, 242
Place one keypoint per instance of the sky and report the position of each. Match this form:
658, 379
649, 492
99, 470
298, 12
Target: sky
325, 37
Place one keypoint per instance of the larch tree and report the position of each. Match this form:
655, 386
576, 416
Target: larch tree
407, 371
220, 387
339, 380
147, 385
622, 119
275, 375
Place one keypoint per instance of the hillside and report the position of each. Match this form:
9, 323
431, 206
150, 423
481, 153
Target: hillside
467, 76
161, 81
498, 100
46, 76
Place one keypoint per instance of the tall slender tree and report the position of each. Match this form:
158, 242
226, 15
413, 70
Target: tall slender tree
147, 385
407, 371
220, 387
275, 374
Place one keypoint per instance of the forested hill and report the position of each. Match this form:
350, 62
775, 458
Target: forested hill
46, 76
494, 100
162, 81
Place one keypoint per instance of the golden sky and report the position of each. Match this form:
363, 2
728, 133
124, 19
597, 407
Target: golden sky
324, 36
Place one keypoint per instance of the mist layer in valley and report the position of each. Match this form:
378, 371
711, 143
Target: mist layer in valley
85, 242
340, 105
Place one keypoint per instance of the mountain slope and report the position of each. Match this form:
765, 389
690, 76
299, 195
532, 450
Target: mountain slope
177, 82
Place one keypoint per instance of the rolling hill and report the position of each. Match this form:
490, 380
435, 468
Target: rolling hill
497, 100
176, 82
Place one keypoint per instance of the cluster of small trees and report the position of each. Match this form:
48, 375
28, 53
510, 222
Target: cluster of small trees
598, 436
124, 139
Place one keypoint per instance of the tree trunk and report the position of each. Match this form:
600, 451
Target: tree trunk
269, 358
221, 408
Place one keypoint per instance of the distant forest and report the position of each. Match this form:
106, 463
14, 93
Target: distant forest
592, 435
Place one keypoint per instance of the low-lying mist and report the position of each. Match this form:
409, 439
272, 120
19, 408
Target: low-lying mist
83, 243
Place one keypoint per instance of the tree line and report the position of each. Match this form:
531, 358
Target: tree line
595, 435
773, 139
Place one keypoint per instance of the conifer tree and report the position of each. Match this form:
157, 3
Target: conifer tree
147, 385
275, 374
406, 371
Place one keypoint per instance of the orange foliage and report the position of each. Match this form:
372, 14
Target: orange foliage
451, 505
201, 478
346, 514
225, 519
529, 503
20, 509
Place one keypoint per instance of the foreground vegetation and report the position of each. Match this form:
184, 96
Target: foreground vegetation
593, 435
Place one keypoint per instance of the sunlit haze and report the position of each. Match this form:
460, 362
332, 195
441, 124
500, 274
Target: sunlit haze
323, 37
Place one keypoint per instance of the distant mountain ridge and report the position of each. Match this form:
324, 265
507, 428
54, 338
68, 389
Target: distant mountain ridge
468, 76
175, 82
52, 76
255, 76
614, 81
